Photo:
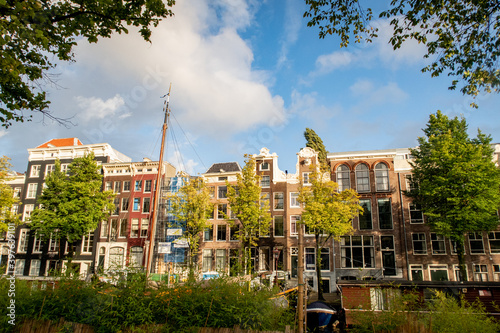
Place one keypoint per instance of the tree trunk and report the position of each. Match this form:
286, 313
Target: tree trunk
461, 257
321, 297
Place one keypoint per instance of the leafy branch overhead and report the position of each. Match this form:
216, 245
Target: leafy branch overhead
462, 37
37, 33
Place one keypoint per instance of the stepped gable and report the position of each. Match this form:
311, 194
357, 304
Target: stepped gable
61, 143
224, 167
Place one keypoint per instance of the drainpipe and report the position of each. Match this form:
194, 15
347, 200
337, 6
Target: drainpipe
404, 227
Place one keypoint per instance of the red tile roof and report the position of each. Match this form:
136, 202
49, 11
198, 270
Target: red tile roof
61, 143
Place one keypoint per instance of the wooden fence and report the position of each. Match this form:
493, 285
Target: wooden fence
46, 326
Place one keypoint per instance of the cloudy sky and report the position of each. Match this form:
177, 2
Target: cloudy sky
245, 74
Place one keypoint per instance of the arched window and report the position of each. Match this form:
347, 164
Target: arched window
362, 178
101, 258
116, 257
136, 256
343, 177
382, 177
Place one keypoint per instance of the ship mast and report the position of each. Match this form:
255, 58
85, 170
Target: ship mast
154, 214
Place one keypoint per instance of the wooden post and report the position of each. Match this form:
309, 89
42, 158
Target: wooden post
300, 273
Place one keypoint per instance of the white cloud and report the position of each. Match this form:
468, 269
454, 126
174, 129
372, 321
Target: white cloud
3, 133
329, 62
308, 107
96, 108
181, 163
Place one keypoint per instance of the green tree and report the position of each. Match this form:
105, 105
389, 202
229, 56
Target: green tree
327, 212
35, 32
71, 207
252, 217
315, 142
7, 199
455, 181
460, 36
192, 207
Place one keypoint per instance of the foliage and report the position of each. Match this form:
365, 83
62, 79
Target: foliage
315, 142
35, 32
244, 199
455, 181
461, 36
443, 313
192, 206
327, 212
7, 199
129, 305
72, 206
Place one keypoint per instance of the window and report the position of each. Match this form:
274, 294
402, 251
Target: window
494, 239
134, 230
438, 272
496, 273
116, 202
126, 186
437, 244
419, 243
35, 267
123, 228
278, 201
264, 166
27, 211
264, 200
343, 177
23, 240
38, 243
305, 178
480, 273
147, 186
116, 255
265, 181
49, 168
31, 193
416, 215
325, 259
221, 211
411, 184
293, 224
357, 252
310, 254
222, 178
208, 234
146, 205
384, 213
118, 186
104, 229
17, 192
211, 191
137, 204
220, 260
19, 267
222, 192
362, 178
233, 232
64, 168
35, 171
294, 200
221, 232
125, 202
87, 243
53, 243
108, 186
207, 260
476, 243
136, 256
138, 185
417, 272
382, 177
114, 230
278, 226
144, 228
365, 219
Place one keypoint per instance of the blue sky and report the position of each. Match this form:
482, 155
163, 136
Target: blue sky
245, 75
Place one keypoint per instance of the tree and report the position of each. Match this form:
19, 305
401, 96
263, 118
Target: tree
7, 199
34, 32
245, 203
462, 36
327, 212
192, 207
71, 207
315, 142
455, 181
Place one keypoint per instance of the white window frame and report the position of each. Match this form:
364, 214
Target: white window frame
23, 240
53, 244
20, 264
277, 197
222, 227
262, 168
341, 172
412, 207
144, 228
438, 267
38, 243
35, 170
28, 209
418, 267
480, 272
424, 240
306, 179
437, 238
361, 188
382, 183
294, 200
31, 192
282, 225
134, 228
87, 243
265, 181
35, 267
293, 225
49, 168
476, 234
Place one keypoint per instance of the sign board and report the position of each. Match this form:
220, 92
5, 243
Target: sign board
174, 232
165, 247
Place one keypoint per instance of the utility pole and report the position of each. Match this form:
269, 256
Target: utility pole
154, 217
300, 273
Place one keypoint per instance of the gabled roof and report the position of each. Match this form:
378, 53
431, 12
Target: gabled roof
61, 143
224, 167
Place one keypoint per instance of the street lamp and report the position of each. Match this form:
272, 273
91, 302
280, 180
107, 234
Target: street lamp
276, 253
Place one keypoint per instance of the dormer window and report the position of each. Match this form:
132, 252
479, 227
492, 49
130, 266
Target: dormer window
264, 166
223, 179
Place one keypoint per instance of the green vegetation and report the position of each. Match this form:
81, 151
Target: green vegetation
407, 312
455, 181
314, 141
7, 199
461, 36
129, 304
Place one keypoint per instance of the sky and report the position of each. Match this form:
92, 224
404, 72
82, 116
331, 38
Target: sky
244, 74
